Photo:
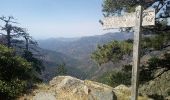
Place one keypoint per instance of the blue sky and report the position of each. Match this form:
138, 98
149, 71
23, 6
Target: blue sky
56, 18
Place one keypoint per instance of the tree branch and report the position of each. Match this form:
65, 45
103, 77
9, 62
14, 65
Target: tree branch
2, 34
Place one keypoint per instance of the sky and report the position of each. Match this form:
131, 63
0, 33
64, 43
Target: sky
56, 18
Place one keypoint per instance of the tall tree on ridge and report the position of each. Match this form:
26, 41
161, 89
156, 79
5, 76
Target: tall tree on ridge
11, 30
30, 47
28, 39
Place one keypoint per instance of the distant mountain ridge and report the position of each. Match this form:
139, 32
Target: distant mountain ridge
77, 51
61, 39
57, 43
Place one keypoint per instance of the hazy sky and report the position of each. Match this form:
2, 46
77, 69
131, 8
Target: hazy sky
56, 18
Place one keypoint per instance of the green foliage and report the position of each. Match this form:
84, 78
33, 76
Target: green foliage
127, 68
36, 63
156, 42
148, 71
115, 50
61, 70
115, 78
15, 73
117, 7
13, 67
9, 90
157, 63
145, 75
153, 63
146, 42
112, 51
112, 7
106, 78
120, 7
118, 78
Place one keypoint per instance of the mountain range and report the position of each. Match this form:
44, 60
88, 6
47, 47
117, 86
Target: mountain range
76, 53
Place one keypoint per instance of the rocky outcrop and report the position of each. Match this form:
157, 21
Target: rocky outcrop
159, 87
70, 88
44, 96
123, 92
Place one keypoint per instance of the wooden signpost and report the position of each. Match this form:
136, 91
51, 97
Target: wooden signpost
137, 19
128, 20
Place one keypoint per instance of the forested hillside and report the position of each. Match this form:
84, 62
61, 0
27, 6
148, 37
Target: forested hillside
76, 53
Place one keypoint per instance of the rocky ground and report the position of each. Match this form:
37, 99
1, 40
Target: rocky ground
159, 88
70, 88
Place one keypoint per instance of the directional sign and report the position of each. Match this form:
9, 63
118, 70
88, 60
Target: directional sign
128, 20
137, 19
148, 17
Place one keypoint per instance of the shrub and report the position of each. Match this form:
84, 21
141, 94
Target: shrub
9, 90
15, 73
61, 70
113, 51
115, 78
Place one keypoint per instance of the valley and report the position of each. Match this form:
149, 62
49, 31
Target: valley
76, 53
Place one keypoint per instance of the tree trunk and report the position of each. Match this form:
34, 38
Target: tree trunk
26, 45
8, 38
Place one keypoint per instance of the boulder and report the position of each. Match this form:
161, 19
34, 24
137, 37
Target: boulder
70, 88
123, 92
159, 87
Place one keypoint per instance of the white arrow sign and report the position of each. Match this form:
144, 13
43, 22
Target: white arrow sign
128, 20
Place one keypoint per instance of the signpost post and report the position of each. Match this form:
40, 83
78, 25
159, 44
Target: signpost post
136, 53
136, 20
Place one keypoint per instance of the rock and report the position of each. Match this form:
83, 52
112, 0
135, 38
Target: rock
70, 88
160, 86
167, 98
123, 92
44, 96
